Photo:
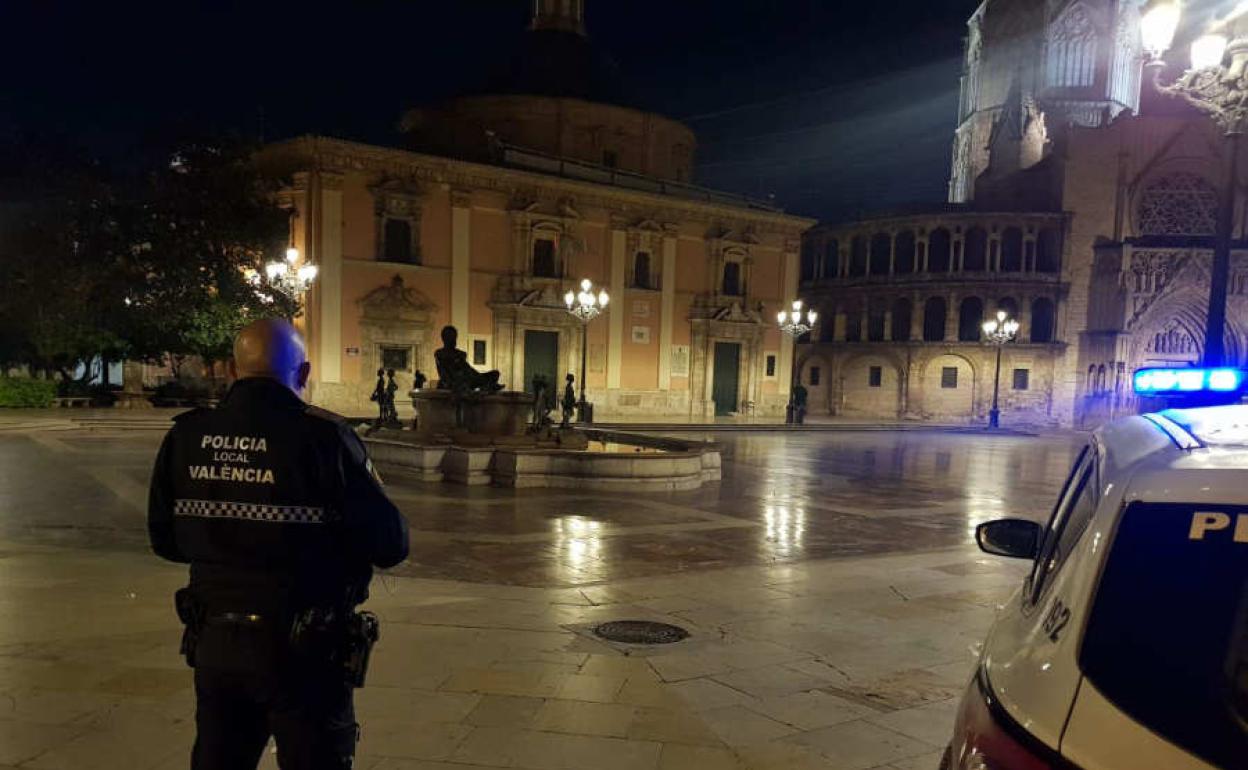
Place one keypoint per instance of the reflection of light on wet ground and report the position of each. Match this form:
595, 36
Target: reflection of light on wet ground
785, 528
578, 541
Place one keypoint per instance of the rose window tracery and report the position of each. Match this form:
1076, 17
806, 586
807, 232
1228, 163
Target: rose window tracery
1178, 204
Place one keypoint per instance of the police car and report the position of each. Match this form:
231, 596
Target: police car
1126, 647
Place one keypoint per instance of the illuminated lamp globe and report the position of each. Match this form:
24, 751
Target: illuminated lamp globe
1208, 50
1158, 26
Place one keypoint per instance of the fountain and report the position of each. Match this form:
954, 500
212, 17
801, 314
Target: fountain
470, 430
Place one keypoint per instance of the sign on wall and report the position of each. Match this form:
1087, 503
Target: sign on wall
597, 358
680, 361
353, 352
641, 335
641, 309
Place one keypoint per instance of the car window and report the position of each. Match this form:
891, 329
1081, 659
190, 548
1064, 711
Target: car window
1070, 518
1167, 637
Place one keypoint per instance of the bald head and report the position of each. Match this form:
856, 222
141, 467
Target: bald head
272, 348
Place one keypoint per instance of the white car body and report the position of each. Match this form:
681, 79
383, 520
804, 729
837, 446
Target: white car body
1030, 670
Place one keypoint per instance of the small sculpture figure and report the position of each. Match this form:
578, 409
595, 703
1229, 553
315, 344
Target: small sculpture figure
799, 403
391, 418
379, 397
543, 402
418, 380
569, 401
456, 374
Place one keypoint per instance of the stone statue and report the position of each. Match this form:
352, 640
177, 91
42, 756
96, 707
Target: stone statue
418, 380
569, 401
456, 374
379, 397
391, 415
543, 402
799, 403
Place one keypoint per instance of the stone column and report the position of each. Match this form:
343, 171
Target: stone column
916, 317
788, 345
839, 323
616, 310
329, 365
667, 308
461, 229
888, 324
1024, 318
951, 318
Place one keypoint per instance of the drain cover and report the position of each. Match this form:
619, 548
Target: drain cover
640, 632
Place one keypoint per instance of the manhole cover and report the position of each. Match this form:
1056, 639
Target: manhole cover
640, 632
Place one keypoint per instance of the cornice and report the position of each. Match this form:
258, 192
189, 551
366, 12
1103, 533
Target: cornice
339, 155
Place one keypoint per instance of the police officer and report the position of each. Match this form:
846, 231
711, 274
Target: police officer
277, 509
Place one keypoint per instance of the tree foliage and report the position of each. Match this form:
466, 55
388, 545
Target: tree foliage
153, 266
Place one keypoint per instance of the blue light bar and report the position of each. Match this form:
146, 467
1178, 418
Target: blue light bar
1158, 382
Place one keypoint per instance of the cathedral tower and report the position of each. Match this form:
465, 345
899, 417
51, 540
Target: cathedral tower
1071, 62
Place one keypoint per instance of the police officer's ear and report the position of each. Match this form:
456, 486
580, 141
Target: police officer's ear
301, 376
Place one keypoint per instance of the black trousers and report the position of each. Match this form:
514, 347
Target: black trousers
309, 714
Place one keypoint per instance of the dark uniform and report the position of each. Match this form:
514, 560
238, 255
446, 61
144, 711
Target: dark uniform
277, 509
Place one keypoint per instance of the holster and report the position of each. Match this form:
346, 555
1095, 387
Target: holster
321, 636
191, 613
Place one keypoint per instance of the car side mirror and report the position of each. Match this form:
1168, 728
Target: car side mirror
1016, 538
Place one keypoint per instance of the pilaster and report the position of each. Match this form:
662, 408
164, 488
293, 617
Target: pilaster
330, 261
461, 229
667, 307
616, 310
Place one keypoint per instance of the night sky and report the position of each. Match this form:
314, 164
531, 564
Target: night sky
833, 107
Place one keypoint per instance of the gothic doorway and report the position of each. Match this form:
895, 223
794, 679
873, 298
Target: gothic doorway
724, 380
541, 357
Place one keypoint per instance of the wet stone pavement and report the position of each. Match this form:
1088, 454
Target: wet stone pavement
830, 584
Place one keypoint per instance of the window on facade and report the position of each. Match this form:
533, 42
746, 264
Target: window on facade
934, 312
1048, 251
641, 270
970, 319
831, 259
975, 252
732, 279
395, 357
1022, 379
881, 248
938, 251
610, 159
858, 256
853, 327
771, 366
901, 320
1011, 250
478, 352
1071, 54
1010, 306
949, 377
1042, 320
875, 322
398, 241
544, 258
903, 253
875, 376
808, 261
814, 375
1178, 204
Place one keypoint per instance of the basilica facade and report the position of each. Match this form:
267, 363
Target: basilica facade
494, 204
1081, 203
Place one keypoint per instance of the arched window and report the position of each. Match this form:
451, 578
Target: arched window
881, 245
975, 252
1091, 384
901, 320
1010, 306
858, 256
732, 279
934, 312
1178, 204
808, 261
1100, 379
1048, 251
903, 253
641, 270
827, 324
853, 324
398, 245
1011, 250
970, 319
1042, 320
831, 259
875, 320
938, 251
1071, 54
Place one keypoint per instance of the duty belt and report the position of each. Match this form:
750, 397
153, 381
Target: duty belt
238, 618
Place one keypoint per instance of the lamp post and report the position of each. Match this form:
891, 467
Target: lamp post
998, 331
794, 324
1216, 83
586, 306
288, 277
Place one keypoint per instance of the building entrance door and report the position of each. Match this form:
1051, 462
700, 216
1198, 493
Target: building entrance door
541, 356
724, 382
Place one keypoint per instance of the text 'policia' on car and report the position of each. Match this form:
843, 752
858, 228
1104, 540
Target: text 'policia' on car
1126, 647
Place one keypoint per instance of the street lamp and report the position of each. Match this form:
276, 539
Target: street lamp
586, 306
1221, 91
794, 324
998, 331
290, 280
